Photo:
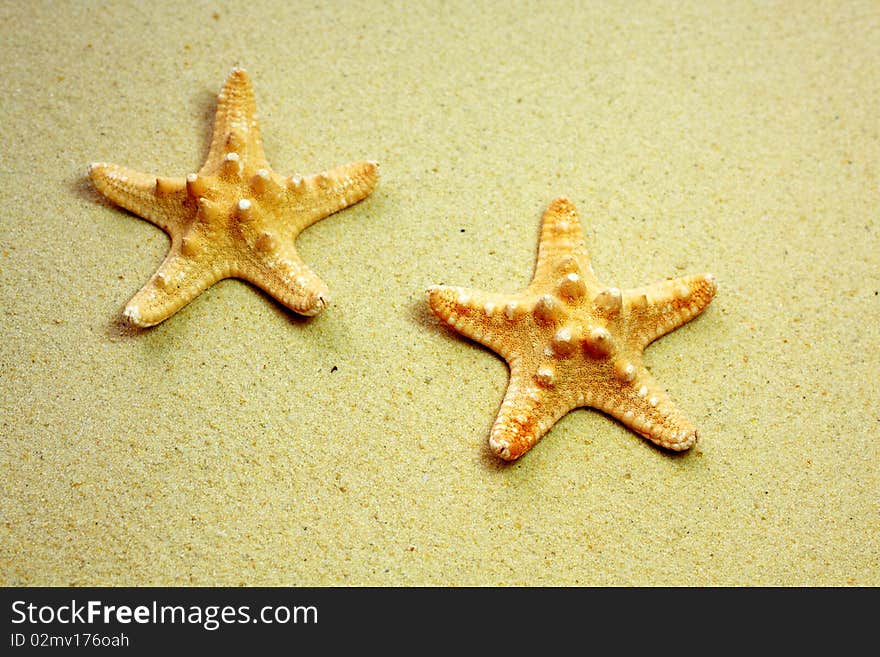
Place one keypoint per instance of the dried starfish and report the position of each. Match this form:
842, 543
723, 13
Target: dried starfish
235, 218
572, 341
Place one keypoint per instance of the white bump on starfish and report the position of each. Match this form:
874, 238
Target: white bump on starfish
545, 376
609, 301
260, 181
266, 242
195, 185
572, 287
598, 342
625, 370
189, 246
232, 163
208, 212
563, 342
164, 186
245, 210
547, 309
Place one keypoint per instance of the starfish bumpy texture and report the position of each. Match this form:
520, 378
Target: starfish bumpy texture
235, 218
571, 341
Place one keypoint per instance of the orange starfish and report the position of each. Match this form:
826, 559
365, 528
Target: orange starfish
572, 341
235, 218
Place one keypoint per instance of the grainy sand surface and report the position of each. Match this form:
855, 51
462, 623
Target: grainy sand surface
238, 444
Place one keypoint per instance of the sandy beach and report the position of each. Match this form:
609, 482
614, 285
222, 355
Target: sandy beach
237, 443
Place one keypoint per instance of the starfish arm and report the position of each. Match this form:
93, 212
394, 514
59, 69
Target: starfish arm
283, 275
235, 125
526, 415
178, 281
561, 236
645, 407
654, 310
315, 197
158, 200
480, 316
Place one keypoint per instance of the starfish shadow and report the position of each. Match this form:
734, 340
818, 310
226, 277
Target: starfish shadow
80, 185
421, 314
118, 327
632, 435
492, 462
83, 188
292, 318
205, 103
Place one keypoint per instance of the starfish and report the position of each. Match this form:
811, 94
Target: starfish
571, 341
235, 218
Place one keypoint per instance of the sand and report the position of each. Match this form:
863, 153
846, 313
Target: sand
238, 444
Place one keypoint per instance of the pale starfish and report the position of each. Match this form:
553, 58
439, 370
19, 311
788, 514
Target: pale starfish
235, 218
572, 341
